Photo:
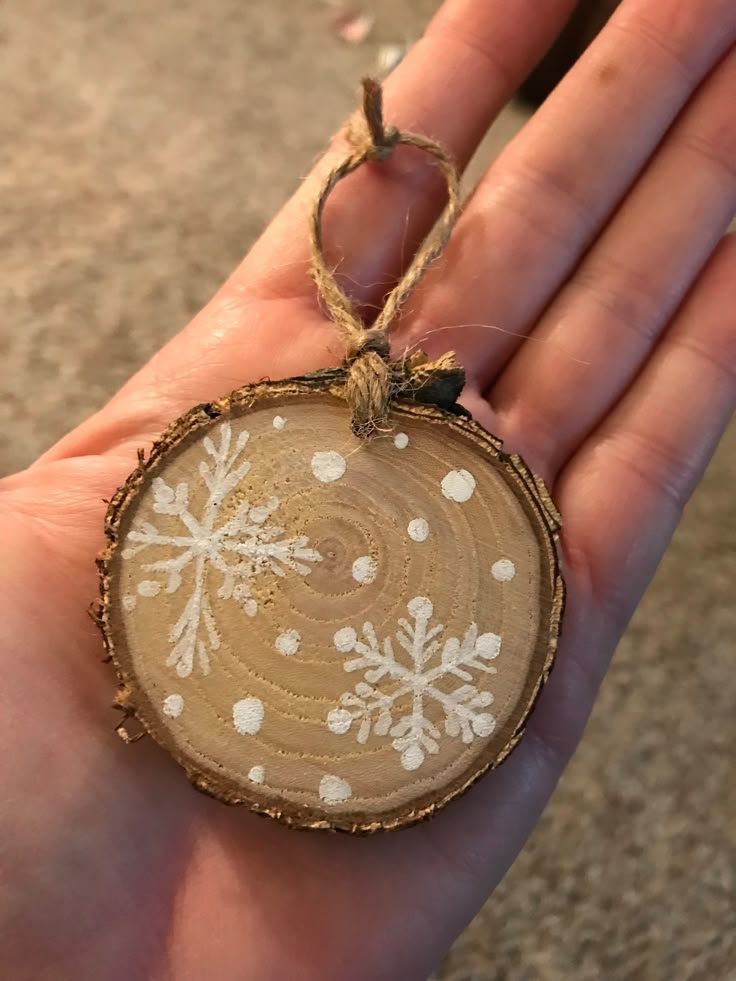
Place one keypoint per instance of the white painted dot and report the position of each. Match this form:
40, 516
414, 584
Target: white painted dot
504, 570
334, 790
488, 646
401, 441
149, 588
256, 774
328, 465
458, 485
173, 706
279, 422
129, 601
420, 607
412, 757
365, 569
345, 639
418, 529
339, 721
248, 716
288, 642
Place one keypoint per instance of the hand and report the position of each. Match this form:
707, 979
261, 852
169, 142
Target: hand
595, 244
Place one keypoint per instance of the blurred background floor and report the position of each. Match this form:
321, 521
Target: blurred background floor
140, 155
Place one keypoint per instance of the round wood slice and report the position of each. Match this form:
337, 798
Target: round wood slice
340, 634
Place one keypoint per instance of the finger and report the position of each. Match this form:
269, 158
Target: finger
594, 338
612, 499
451, 85
623, 492
544, 200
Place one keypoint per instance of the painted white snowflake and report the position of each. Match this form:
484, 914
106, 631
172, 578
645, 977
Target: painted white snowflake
239, 548
431, 665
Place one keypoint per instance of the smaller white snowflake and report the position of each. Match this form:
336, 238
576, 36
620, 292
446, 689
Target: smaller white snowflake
373, 702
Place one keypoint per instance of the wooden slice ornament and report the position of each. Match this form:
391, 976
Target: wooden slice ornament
341, 626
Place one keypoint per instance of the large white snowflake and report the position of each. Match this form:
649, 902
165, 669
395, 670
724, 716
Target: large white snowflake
239, 548
424, 679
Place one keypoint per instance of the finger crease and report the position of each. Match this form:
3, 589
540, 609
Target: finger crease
508, 79
631, 304
514, 194
553, 184
708, 150
700, 351
649, 32
666, 471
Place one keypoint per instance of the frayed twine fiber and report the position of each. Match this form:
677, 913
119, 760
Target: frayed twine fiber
373, 379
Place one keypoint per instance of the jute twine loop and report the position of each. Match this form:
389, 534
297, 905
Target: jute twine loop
373, 379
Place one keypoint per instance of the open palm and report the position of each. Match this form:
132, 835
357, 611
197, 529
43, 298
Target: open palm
595, 243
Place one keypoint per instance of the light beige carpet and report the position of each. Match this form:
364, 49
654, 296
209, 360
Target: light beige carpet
140, 154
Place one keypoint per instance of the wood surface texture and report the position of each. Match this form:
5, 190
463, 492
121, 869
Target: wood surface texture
338, 633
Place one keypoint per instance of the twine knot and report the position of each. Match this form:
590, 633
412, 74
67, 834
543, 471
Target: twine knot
368, 390
368, 340
382, 151
373, 380
381, 140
